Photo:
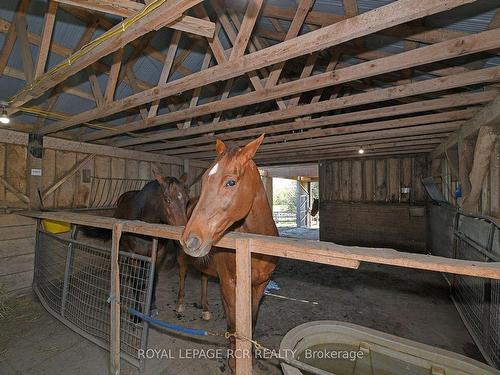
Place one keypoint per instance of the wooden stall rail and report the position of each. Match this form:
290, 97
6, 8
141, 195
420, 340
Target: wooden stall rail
245, 245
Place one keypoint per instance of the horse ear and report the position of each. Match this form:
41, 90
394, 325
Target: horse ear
184, 178
250, 149
158, 174
220, 147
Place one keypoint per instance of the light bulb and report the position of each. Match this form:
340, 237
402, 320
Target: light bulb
4, 119
361, 151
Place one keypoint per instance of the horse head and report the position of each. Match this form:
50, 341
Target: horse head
175, 197
228, 190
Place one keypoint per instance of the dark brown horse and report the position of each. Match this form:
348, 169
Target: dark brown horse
132, 205
232, 198
163, 200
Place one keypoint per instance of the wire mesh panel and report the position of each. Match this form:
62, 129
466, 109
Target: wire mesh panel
478, 299
73, 281
105, 191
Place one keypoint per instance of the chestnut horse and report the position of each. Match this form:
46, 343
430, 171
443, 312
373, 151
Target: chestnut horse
232, 198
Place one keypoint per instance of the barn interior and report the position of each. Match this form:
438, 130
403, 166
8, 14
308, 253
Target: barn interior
381, 117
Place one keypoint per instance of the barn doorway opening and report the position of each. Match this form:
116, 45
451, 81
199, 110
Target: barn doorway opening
293, 207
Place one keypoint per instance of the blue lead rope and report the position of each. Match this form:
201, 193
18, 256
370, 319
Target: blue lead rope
172, 327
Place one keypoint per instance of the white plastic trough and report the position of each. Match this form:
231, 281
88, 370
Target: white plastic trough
382, 353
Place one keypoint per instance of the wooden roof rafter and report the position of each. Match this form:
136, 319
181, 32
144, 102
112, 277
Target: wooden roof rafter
127, 8
117, 37
444, 50
317, 133
302, 124
382, 95
386, 16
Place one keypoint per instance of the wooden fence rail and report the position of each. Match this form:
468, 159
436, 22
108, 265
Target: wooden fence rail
246, 244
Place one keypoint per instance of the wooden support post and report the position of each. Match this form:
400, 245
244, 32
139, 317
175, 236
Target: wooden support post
34, 172
465, 159
243, 307
482, 154
114, 350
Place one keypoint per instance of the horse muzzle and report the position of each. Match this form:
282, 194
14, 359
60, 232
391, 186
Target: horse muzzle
194, 247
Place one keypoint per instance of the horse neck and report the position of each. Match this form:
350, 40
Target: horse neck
150, 204
260, 217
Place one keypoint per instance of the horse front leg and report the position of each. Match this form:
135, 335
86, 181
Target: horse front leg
257, 293
182, 261
160, 255
206, 314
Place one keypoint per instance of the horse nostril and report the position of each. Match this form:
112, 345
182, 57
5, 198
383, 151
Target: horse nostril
193, 242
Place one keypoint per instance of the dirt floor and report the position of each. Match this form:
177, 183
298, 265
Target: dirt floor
409, 303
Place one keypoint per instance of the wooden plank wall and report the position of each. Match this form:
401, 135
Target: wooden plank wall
17, 244
361, 202
74, 192
13, 169
373, 180
489, 202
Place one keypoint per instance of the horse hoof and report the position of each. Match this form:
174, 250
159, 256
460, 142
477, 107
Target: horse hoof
180, 308
206, 315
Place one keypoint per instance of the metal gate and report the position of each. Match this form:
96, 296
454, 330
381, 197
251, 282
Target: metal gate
72, 281
302, 205
478, 299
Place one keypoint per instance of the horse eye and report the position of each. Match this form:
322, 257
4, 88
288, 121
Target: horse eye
230, 183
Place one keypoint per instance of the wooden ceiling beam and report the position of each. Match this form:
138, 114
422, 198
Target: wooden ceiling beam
95, 87
220, 53
339, 138
293, 31
429, 54
353, 128
436, 138
240, 45
447, 102
48, 27
381, 95
364, 24
197, 91
11, 36
114, 73
22, 35
127, 8
409, 31
350, 8
166, 70
350, 155
111, 41
58, 50
17, 74
59, 89
373, 147
295, 26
